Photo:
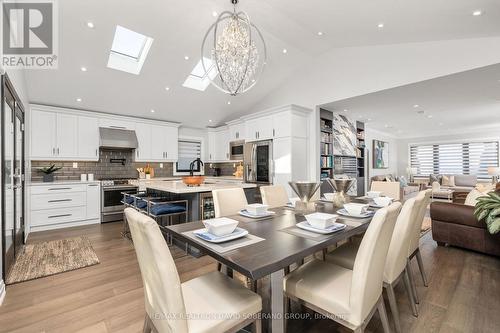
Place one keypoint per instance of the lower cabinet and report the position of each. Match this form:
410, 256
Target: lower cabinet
64, 205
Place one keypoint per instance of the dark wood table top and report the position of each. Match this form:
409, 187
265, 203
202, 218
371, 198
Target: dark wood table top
279, 249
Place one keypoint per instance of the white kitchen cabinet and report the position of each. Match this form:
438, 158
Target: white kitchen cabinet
116, 123
164, 143
259, 128
237, 132
289, 161
43, 135
218, 145
144, 151
93, 201
171, 143
88, 138
67, 136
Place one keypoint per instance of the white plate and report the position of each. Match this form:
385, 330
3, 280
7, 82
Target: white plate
374, 205
245, 213
344, 212
237, 233
330, 230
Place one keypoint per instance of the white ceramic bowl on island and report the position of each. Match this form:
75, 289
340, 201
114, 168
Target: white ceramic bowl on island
356, 208
382, 201
257, 209
221, 226
321, 220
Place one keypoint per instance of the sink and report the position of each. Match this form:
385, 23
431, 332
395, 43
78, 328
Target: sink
193, 180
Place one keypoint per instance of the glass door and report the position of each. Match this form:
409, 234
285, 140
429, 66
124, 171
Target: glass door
18, 179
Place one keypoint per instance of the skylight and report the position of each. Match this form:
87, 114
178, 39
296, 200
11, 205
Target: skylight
199, 79
129, 50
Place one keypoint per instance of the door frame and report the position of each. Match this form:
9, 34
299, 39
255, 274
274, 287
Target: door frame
7, 87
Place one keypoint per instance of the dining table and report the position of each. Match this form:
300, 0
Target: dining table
280, 244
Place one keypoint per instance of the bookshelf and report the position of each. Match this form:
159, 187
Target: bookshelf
361, 157
326, 145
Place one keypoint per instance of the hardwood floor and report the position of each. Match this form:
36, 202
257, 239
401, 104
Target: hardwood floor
463, 293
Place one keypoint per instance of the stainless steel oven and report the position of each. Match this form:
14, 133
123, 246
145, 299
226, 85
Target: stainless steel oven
236, 150
258, 162
111, 200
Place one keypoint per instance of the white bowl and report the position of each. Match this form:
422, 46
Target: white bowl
328, 196
356, 208
220, 226
382, 201
321, 220
257, 209
373, 194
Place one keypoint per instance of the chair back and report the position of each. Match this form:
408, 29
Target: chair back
274, 196
389, 189
397, 255
436, 186
367, 275
417, 226
229, 201
162, 288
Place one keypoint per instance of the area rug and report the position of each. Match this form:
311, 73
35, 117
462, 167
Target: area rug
426, 226
48, 258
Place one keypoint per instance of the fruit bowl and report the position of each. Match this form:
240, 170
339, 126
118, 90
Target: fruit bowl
193, 180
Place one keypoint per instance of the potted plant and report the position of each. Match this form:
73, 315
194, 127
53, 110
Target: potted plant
488, 209
48, 172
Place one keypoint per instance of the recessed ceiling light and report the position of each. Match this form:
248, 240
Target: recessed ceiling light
228, 102
152, 111
441, 124
380, 25
416, 106
209, 120
320, 33
345, 110
90, 25
477, 13
285, 51
429, 116
421, 112
83, 69
214, 13
167, 88
186, 58
78, 99
369, 119
386, 126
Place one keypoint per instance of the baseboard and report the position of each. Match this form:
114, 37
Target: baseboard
2, 291
35, 228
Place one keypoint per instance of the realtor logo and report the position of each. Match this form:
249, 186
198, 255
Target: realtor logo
29, 34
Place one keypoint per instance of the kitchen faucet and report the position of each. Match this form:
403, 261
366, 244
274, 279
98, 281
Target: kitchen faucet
191, 166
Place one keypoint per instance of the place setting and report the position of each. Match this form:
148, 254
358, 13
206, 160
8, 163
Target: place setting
256, 211
317, 226
223, 234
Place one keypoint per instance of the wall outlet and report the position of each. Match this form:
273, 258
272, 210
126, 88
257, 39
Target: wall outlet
161, 165
75, 165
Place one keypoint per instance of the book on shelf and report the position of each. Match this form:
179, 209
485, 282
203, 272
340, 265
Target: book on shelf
326, 161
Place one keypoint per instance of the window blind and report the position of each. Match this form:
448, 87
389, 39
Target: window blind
468, 158
189, 150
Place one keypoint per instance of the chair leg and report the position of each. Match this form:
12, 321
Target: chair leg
409, 291
412, 283
394, 306
219, 266
257, 326
147, 327
325, 251
421, 267
383, 315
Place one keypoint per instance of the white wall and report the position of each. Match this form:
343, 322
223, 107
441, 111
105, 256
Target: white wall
372, 134
349, 72
403, 144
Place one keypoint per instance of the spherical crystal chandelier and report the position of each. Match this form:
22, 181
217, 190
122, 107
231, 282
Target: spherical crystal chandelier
233, 52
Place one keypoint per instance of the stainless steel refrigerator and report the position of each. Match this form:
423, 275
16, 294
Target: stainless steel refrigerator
258, 162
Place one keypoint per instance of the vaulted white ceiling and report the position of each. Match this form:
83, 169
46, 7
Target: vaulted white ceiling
178, 28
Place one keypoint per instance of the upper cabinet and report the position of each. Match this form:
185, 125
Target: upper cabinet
237, 131
58, 134
259, 129
218, 145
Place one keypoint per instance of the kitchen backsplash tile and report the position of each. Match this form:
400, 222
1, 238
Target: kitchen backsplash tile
101, 169
226, 169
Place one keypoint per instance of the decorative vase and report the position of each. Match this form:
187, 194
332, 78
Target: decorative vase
305, 191
341, 186
48, 178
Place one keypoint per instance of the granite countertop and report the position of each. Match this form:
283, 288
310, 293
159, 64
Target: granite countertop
64, 182
212, 178
179, 187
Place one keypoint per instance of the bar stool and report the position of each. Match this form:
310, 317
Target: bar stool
163, 210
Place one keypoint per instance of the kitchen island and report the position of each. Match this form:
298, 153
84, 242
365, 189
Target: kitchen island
197, 195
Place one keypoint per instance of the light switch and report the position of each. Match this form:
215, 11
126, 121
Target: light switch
161, 165
75, 165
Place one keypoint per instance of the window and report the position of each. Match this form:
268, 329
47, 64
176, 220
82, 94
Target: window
199, 79
469, 158
129, 50
189, 150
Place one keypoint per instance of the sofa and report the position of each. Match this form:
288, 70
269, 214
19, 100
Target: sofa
455, 224
461, 183
385, 182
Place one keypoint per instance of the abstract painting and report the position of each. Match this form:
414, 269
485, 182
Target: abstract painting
380, 154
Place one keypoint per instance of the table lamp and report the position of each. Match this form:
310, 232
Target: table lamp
494, 172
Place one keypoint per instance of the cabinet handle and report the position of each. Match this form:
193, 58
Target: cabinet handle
59, 188
274, 132
120, 127
53, 151
96, 154
137, 152
62, 215
166, 154
60, 200
57, 151
92, 185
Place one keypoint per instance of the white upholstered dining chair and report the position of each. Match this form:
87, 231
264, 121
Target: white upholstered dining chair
388, 189
209, 303
396, 265
229, 201
349, 297
274, 196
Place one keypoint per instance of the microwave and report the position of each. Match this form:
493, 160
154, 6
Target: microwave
236, 150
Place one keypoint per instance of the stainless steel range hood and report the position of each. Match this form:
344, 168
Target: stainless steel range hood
117, 138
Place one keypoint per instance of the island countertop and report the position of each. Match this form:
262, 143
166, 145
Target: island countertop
179, 187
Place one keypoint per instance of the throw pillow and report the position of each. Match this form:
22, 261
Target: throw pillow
403, 182
448, 181
435, 178
485, 187
480, 191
